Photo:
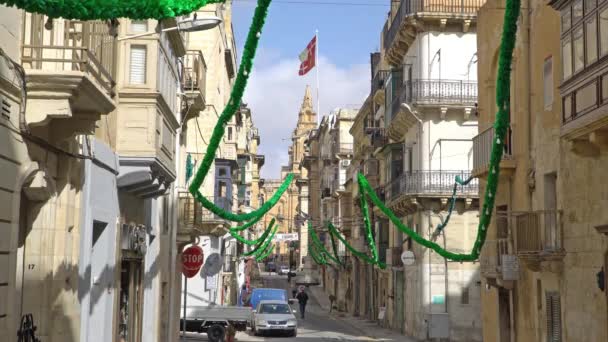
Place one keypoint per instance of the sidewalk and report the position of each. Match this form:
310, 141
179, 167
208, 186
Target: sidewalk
365, 326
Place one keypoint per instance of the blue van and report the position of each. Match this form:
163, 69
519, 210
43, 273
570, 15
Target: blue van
266, 294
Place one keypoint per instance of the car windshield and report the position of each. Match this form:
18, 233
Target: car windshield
275, 309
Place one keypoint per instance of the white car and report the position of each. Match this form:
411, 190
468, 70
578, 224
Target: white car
283, 270
274, 316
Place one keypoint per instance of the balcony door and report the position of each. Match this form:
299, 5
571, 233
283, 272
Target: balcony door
131, 301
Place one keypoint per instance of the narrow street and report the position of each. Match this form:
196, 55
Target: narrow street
318, 325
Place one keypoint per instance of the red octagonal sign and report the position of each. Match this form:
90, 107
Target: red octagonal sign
192, 260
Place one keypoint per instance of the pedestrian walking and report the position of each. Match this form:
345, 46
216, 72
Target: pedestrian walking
302, 298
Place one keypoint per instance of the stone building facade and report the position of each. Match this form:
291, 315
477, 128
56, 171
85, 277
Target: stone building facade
549, 225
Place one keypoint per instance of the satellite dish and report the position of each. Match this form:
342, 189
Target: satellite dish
212, 266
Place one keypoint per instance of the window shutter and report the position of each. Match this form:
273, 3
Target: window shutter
139, 26
137, 73
554, 322
548, 82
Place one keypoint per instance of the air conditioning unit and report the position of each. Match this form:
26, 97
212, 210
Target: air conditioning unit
345, 163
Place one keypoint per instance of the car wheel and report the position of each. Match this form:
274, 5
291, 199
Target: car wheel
293, 333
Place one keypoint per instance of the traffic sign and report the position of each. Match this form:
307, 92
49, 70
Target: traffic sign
192, 260
408, 258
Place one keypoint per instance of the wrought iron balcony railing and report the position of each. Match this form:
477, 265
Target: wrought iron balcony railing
440, 92
482, 147
430, 183
413, 7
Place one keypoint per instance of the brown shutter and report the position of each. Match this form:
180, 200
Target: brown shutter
554, 322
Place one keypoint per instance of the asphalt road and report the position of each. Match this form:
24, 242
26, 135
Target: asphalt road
318, 325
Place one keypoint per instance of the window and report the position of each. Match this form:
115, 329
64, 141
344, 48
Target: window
554, 321
222, 172
221, 191
604, 31
548, 83
139, 26
566, 19
579, 52
590, 5
591, 40
585, 97
577, 11
137, 74
229, 133
464, 296
567, 108
604, 88
567, 58
166, 222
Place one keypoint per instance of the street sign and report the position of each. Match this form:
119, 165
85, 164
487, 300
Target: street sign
408, 258
213, 265
287, 237
192, 260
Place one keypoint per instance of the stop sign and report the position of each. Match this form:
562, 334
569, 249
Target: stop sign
192, 260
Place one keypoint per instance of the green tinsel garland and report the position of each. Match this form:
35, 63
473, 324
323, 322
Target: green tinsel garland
110, 9
314, 256
358, 254
161, 9
251, 242
319, 245
264, 243
265, 255
334, 248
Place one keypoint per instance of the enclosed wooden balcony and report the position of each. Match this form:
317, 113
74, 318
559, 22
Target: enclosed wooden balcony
407, 21
538, 237
482, 150
195, 220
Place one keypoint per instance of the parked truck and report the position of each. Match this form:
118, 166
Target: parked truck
215, 320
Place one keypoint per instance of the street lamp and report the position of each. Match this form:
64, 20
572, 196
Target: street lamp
186, 25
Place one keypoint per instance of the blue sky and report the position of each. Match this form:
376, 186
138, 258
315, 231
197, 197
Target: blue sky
347, 36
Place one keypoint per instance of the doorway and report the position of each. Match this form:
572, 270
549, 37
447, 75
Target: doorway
131, 300
398, 320
504, 315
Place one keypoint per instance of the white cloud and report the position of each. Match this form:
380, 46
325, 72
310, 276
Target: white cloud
274, 94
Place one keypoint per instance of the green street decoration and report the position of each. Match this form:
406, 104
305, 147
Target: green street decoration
262, 245
161, 9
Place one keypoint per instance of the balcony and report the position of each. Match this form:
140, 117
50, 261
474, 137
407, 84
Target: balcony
538, 236
193, 80
482, 149
342, 149
377, 90
585, 114
195, 220
407, 22
378, 137
338, 185
497, 265
63, 81
371, 170
408, 192
440, 93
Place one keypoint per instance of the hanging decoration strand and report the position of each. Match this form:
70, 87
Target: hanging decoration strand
110, 9
251, 242
460, 182
265, 255
321, 248
261, 246
335, 249
358, 254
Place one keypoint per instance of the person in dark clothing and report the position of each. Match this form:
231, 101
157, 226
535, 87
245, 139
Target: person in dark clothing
302, 298
294, 292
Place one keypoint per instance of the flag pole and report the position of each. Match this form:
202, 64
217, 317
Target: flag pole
317, 62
